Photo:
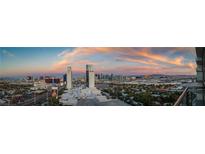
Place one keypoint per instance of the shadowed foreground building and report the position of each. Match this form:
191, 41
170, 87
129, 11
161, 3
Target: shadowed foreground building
195, 95
200, 60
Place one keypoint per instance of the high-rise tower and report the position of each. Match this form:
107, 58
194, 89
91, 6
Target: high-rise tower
200, 60
200, 52
90, 76
69, 77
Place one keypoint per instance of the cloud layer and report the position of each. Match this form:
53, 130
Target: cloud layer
121, 60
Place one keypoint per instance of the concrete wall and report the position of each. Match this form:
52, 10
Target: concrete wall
90, 76
69, 77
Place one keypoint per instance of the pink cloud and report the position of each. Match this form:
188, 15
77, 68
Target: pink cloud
154, 63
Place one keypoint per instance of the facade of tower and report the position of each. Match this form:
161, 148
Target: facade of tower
200, 60
90, 76
69, 77
200, 52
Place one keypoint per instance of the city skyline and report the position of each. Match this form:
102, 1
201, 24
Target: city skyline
117, 60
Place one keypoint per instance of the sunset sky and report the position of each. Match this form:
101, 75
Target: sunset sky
117, 60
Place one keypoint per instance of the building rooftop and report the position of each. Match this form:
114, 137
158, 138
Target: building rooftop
88, 97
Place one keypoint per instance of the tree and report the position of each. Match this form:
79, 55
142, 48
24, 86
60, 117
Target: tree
53, 101
146, 98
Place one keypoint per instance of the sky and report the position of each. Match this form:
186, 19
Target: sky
18, 61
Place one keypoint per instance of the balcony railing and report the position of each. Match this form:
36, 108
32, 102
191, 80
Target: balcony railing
191, 97
183, 98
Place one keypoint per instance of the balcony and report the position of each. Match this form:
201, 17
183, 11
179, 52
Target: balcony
191, 97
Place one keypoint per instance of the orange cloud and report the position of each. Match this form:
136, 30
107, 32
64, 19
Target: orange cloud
147, 62
146, 53
78, 66
60, 65
156, 63
183, 70
77, 57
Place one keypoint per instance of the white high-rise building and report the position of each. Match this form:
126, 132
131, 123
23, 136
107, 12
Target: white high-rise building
69, 77
90, 76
